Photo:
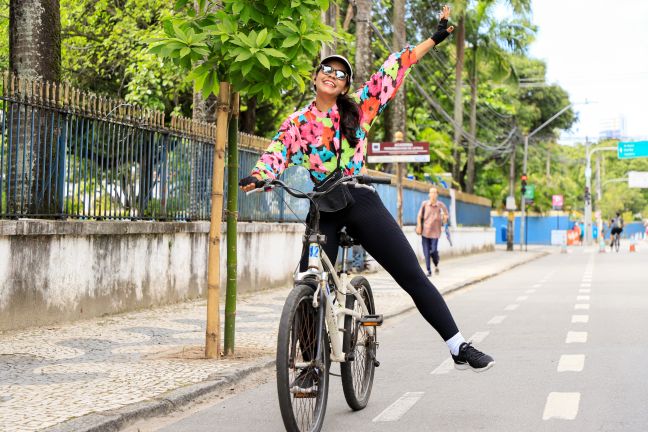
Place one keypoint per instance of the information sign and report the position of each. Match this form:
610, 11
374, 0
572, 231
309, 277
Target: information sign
398, 152
632, 149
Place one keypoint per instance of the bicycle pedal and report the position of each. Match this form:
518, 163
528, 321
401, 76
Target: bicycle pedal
371, 320
303, 393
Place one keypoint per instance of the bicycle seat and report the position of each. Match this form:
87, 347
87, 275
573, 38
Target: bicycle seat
345, 240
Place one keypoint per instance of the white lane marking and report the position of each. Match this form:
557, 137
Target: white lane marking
396, 410
511, 307
576, 337
444, 367
583, 297
586, 285
562, 406
585, 290
529, 291
538, 285
571, 363
581, 306
479, 336
497, 319
521, 298
580, 318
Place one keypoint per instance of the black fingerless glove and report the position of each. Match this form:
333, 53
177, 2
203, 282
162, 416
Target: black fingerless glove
251, 180
439, 36
443, 24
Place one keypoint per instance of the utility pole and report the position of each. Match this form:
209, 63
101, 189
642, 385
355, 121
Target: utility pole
524, 171
588, 185
398, 137
510, 202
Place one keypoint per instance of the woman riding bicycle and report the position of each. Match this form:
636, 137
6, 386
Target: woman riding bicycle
329, 138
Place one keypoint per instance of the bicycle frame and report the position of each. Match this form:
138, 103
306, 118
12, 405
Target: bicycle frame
319, 270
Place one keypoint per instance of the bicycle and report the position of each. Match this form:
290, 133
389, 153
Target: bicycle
616, 241
326, 318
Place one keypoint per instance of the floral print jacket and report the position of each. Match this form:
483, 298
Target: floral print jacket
311, 138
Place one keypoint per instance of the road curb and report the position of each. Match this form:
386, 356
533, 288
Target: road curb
114, 420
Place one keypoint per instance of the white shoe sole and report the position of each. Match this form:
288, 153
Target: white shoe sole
467, 366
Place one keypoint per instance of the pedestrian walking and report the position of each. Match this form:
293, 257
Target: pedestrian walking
432, 215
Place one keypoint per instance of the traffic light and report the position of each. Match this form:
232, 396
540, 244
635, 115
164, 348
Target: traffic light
524, 183
588, 196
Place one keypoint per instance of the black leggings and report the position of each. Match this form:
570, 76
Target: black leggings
371, 224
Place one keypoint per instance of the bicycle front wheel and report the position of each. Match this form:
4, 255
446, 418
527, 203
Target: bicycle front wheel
302, 378
358, 373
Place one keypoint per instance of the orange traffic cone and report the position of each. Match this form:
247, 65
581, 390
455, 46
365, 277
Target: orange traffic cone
632, 247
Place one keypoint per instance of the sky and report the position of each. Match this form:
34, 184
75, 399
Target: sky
597, 51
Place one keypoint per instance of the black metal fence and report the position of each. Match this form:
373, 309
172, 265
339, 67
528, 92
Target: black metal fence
66, 153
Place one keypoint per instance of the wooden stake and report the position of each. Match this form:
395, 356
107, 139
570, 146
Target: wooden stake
212, 342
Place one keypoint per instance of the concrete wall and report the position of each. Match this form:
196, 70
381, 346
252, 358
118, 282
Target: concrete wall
55, 271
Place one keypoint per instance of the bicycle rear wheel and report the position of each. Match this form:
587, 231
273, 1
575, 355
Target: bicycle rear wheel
302, 378
358, 374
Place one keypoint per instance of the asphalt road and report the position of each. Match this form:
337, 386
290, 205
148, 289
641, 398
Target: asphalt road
569, 334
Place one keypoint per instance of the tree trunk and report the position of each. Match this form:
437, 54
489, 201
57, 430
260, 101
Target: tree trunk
363, 57
396, 116
248, 117
330, 17
470, 169
458, 102
35, 54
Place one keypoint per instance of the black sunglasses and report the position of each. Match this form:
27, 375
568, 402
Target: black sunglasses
330, 71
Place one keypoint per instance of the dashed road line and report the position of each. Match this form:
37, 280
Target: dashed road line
585, 290
529, 291
511, 307
580, 319
497, 319
582, 306
571, 363
563, 406
586, 285
444, 367
398, 409
576, 337
479, 336
583, 298
521, 298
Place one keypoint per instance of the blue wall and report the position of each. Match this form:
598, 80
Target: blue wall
538, 228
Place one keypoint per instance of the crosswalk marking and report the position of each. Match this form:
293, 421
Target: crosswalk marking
563, 406
529, 291
511, 307
521, 298
583, 297
497, 319
582, 306
571, 363
396, 410
580, 318
586, 285
576, 337
585, 290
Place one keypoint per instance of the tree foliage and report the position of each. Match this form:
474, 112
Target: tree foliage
262, 48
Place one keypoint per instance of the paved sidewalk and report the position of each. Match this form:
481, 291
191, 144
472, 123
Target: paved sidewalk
101, 374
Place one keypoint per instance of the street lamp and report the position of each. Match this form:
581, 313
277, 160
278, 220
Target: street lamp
524, 173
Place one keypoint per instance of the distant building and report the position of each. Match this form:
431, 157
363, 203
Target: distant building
613, 128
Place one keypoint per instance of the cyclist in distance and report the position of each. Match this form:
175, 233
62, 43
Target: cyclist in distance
329, 138
616, 225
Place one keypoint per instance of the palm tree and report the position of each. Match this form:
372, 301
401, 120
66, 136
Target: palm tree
490, 44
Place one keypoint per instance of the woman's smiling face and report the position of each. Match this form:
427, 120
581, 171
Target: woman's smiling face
330, 85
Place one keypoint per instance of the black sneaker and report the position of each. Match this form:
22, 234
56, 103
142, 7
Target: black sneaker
436, 270
305, 384
471, 357
429, 273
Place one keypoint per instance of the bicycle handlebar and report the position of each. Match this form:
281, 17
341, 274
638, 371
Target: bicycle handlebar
268, 184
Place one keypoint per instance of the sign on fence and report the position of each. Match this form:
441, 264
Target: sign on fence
418, 151
557, 202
